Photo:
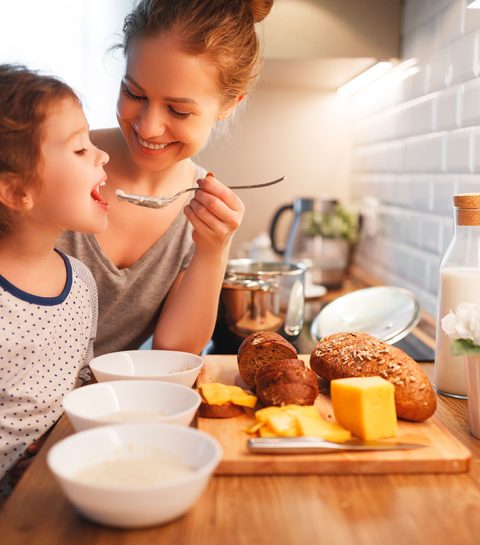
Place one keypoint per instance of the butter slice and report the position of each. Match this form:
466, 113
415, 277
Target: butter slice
365, 406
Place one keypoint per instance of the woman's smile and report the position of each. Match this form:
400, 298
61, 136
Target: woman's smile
152, 148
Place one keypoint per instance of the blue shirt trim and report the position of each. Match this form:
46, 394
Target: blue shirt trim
36, 299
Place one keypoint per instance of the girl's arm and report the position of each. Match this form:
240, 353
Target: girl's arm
188, 316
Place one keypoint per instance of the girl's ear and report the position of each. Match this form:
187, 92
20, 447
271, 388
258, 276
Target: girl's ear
12, 196
230, 107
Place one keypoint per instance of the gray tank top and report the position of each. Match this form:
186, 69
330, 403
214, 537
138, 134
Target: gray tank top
130, 299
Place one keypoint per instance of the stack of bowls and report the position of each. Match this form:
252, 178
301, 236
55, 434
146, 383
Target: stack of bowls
139, 411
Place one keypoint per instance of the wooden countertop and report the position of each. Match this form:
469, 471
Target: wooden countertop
303, 510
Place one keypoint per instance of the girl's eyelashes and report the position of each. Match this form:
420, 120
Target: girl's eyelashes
82, 151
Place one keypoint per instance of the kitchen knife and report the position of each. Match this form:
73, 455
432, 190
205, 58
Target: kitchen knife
305, 445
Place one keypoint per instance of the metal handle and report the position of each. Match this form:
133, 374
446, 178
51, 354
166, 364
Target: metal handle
304, 445
286, 445
273, 227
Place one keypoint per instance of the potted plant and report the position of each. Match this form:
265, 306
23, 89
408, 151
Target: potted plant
463, 327
331, 237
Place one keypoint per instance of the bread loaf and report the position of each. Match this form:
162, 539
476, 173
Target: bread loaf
286, 382
260, 348
345, 355
228, 410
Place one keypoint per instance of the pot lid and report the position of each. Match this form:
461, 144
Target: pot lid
388, 313
248, 268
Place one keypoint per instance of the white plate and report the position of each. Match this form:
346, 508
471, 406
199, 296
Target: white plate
388, 313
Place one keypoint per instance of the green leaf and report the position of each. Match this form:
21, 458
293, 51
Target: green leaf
460, 347
341, 223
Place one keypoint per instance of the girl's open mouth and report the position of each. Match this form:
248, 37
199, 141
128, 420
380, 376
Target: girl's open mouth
95, 194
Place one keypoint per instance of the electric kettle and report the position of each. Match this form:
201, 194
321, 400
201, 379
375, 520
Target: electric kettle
327, 256
296, 246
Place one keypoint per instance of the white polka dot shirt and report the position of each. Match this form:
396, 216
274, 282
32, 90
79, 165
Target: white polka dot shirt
44, 343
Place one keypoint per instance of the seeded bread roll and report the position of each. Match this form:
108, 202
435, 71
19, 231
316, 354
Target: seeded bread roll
284, 382
344, 355
260, 348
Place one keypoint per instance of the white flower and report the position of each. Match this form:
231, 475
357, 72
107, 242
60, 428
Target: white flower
464, 323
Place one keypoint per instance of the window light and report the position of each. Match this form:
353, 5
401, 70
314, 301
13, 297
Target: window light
365, 78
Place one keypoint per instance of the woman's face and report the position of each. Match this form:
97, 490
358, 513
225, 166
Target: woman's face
168, 103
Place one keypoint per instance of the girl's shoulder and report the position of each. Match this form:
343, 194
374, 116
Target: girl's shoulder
81, 271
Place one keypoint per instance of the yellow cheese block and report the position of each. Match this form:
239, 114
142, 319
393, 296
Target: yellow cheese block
365, 406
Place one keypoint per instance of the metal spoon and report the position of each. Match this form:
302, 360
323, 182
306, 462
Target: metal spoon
152, 201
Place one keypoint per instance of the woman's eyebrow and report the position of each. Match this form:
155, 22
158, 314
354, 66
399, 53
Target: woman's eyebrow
131, 80
178, 100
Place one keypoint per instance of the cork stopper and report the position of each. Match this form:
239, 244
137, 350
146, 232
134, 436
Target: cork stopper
467, 200
468, 208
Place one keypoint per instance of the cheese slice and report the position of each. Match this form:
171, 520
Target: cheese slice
365, 406
283, 424
318, 427
216, 393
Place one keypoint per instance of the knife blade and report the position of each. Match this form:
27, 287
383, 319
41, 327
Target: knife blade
305, 445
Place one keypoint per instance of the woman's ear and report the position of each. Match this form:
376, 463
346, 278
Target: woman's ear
226, 112
12, 196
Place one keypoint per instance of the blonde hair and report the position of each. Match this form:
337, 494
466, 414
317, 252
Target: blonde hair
222, 30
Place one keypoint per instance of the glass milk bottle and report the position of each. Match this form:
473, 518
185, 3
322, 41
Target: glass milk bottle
459, 283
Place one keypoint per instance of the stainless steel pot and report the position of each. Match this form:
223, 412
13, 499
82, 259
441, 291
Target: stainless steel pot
263, 296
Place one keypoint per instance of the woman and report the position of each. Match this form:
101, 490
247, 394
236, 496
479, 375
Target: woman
188, 65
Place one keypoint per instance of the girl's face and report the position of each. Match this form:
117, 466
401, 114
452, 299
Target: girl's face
71, 174
168, 103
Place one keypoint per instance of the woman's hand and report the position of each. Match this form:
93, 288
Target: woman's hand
215, 212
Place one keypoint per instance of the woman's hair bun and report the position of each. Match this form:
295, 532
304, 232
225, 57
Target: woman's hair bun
260, 9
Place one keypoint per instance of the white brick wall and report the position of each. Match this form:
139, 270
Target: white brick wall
417, 143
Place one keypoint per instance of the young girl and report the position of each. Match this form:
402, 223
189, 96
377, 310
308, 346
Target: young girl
50, 175
188, 64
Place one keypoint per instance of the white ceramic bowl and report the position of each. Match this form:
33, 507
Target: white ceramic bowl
133, 506
164, 365
130, 401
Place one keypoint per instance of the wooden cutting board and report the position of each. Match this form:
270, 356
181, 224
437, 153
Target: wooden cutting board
443, 453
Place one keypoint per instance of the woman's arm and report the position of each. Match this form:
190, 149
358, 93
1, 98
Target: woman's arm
188, 316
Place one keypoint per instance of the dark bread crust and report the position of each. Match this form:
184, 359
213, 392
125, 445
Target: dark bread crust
260, 348
285, 382
228, 410
344, 355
